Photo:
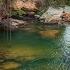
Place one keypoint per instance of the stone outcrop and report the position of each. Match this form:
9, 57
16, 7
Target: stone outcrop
13, 24
53, 15
26, 5
64, 17
29, 6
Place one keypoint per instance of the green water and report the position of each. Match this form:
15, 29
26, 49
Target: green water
32, 51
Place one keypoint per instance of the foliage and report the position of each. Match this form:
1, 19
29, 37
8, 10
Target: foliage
18, 12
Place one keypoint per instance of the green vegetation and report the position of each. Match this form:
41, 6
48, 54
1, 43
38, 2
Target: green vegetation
18, 13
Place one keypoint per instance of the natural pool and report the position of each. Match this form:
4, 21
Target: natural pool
42, 50
46, 50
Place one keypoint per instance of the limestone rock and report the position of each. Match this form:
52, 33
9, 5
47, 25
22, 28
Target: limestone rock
52, 15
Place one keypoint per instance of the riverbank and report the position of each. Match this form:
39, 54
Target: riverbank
30, 23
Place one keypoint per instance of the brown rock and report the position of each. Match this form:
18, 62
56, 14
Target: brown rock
10, 65
27, 5
66, 17
49, 33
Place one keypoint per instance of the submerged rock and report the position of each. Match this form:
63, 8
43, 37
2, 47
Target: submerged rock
10, 65
49, 33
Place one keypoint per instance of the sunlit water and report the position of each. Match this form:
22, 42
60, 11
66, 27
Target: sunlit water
42, 50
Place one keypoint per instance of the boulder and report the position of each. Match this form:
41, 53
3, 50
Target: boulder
52, 15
